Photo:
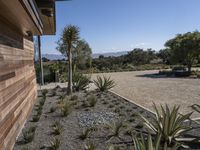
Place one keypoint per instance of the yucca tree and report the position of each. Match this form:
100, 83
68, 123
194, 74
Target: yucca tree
169, 124
66, 44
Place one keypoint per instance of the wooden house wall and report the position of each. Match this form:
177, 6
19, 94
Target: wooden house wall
18, 89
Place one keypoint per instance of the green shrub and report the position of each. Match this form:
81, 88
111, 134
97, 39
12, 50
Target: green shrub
44, 92
143, 144
115, 129
28, 135
52, 109
74, 97
86, 133
65, 108
80, 81
168, 123
92, 100
42, 101
55, 144
35, 118
104, 83
112, 147
90, 146
57, 128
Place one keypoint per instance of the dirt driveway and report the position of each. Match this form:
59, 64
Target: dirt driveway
144, 89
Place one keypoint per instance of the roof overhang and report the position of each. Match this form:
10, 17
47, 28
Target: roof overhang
23, 15
36, 17
47, 12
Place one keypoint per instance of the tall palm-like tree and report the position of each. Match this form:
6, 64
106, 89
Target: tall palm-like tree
66, 44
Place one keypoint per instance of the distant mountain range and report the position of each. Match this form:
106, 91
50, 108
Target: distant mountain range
57, 56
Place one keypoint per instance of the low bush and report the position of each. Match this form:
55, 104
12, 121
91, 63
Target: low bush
80, 81
104, 83
55, 144
90, 146
86, 133
65, 108
115, 129
92, 100
44, 92
57, 128
28, 135
169, 124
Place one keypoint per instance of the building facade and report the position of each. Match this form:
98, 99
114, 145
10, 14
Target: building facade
20, 20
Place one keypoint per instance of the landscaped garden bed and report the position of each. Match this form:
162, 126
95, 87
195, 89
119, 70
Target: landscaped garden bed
86, 120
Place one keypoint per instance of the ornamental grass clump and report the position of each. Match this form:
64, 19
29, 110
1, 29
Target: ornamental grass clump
28, 135
168, 124
65, 108
80, 81
44, 92
115, 129
57, 128
90, 146
86, 133
55, 144
92, 100
104, 83
141, 143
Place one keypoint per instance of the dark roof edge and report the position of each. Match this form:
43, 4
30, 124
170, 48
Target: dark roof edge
31, 8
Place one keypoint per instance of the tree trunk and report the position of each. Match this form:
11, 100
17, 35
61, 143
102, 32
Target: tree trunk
189, 68
70, 73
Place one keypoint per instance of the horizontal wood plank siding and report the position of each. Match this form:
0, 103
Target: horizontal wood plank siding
18, 89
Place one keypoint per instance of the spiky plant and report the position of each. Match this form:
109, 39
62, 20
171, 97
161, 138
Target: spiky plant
57, 128
115, 129
65, 108
55, 144
92, 100
196, 107
169, 124
44, 92
42, 101
62, 97
35, 118
86, 133
52, 109
74, 97
80, 81
112, 147
104, 83
146, 144
90, 146
28, 135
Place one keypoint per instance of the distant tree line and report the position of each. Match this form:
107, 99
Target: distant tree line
182, 50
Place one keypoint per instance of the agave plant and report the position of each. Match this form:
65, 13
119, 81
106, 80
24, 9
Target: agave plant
90, 146
169, 124
57, 128
86, 133
55, 144
196, 107
104, 83
80, 81
143, 144
115, 128
65, 108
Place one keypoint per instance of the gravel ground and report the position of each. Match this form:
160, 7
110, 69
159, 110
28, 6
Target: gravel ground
143, 88
109, 109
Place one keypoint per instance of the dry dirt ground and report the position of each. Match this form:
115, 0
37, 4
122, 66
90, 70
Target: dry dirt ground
144, 88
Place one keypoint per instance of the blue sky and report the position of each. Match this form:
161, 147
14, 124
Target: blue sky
121, 25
